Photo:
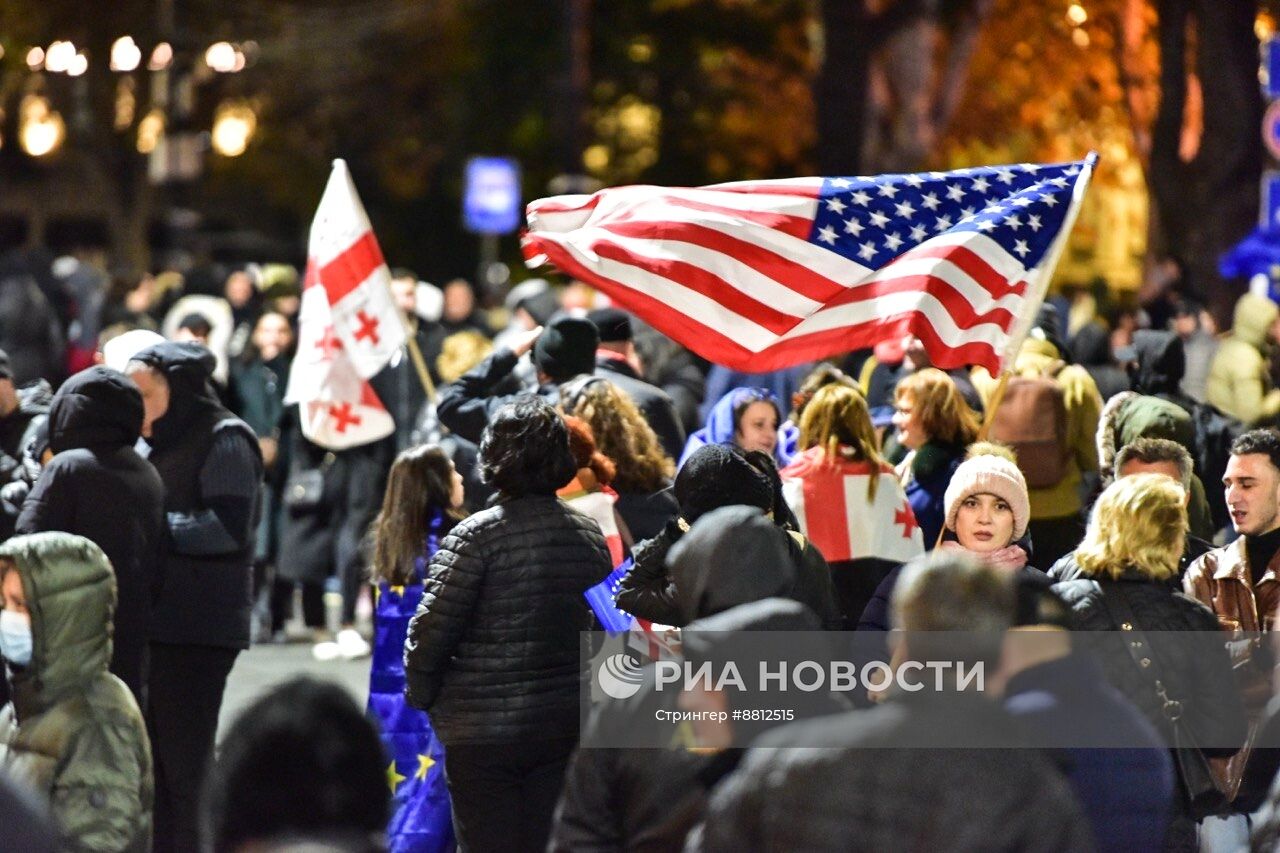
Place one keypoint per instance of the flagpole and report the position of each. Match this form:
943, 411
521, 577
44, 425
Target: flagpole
997, 397
1027, 319
420, 364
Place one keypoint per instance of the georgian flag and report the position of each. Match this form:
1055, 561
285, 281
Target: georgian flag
830, 502
343, 258
336, 407
349, 327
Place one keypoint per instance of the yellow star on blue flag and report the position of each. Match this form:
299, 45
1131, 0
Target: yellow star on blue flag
393, 778
425, 763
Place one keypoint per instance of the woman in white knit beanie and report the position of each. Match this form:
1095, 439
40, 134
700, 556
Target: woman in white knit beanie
987, 508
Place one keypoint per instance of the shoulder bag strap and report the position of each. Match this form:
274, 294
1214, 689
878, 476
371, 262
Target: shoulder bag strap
1135, 642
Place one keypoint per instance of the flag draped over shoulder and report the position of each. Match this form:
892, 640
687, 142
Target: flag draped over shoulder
760, 275
348, 324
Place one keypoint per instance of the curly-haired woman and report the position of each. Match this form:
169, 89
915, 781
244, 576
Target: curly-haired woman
644, 473
493, 652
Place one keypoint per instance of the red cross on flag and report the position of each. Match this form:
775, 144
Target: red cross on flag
343, 258
348, 324
338, 409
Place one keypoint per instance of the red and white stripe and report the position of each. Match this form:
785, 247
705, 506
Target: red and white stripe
728, 271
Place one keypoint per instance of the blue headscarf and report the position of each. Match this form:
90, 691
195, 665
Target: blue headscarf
720, 427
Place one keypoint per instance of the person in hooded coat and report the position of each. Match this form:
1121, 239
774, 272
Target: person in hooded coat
73, 731
622, 794
1239, 382
727, 424
98, 487
211, 467
717, 476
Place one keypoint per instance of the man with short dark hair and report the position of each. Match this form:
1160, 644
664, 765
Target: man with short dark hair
563, 349
1149, 456
617, 361
1239, 581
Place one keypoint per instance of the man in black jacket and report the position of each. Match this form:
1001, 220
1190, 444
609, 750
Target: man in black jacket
564, 349
616, 360
98, 487
211, 467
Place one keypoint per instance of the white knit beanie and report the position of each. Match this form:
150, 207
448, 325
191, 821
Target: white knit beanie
991, 475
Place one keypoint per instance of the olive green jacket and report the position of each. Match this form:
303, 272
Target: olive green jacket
73, 731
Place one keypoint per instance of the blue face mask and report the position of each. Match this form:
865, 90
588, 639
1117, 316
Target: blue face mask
15, 637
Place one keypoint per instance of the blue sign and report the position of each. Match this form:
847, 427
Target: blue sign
1271, 68
491, 201
1269, 218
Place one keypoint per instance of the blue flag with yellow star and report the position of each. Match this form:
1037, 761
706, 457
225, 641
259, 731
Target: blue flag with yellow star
421, 820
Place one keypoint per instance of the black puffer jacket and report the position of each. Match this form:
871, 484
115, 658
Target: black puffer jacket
1194, 669
494, 650
738, 548
98, 487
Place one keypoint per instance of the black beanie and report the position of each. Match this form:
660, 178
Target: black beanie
567, 348
716, 475
614, 324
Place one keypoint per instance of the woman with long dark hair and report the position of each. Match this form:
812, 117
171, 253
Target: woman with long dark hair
420, 507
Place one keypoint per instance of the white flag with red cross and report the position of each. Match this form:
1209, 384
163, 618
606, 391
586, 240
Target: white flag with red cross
343, 257
349, 326
337, 408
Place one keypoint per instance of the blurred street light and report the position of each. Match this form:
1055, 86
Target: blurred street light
221, 57
40, 129
59, 57
150, 129
125, 54
79, 65
160, 57
233, 126
35, 58
1076, 14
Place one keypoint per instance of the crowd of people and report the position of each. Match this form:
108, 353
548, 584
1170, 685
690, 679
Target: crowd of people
164, 511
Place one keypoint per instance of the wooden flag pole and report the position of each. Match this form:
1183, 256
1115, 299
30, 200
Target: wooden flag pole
420, 364
997, 397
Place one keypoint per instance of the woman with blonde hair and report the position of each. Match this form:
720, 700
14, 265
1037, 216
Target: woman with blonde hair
935, 425
1131, 549
847, 500
644, 473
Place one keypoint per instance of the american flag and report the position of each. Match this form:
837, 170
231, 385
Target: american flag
760, 275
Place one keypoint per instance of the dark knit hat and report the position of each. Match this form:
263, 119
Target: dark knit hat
567, 348
714, 476
614, 323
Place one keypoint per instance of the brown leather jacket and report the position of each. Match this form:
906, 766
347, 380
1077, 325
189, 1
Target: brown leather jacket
1221, 579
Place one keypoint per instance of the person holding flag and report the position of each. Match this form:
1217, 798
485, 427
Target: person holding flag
349, 329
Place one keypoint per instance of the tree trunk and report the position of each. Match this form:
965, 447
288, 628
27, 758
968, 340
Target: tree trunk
840, 91
1230, 155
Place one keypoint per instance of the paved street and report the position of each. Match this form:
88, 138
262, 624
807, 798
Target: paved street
264, 666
